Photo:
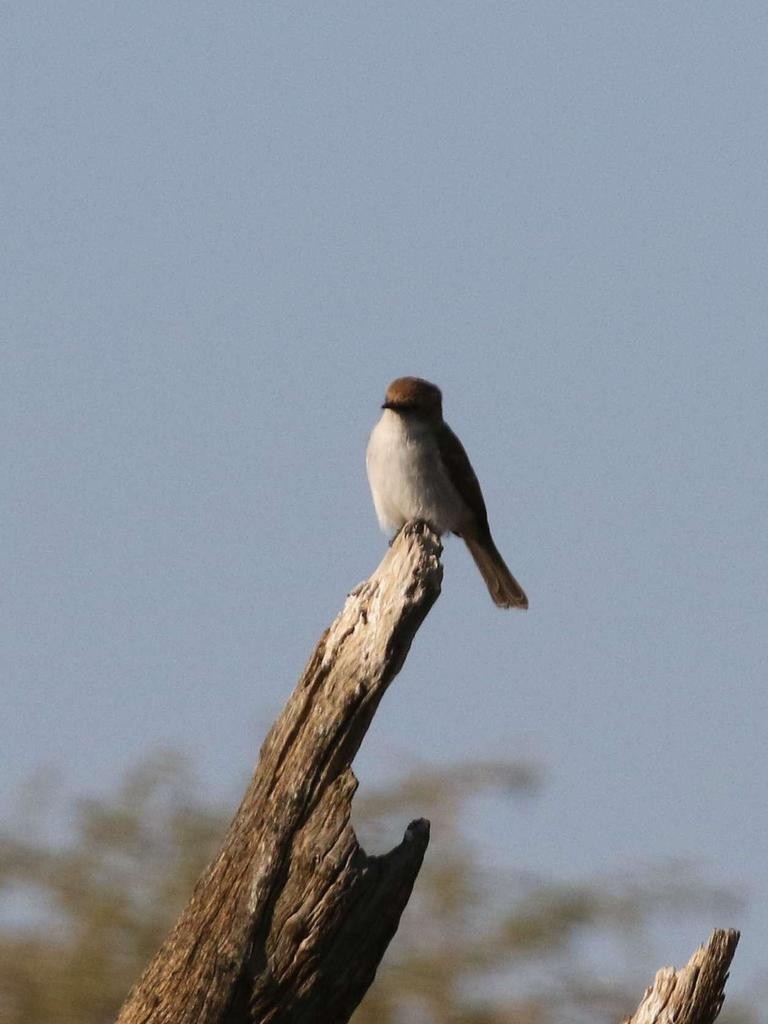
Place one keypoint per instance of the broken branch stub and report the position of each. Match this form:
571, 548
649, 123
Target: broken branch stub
291, 919
693, 994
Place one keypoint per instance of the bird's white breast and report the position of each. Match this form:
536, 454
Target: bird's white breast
407, 476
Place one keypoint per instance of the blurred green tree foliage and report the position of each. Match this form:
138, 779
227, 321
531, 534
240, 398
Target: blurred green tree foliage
476, 945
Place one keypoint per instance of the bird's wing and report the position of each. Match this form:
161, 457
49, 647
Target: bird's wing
462, 476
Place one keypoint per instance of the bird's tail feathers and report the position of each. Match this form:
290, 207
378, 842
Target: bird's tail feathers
504, 589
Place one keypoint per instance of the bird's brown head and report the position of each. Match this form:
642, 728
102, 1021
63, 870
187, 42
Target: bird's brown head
416, 396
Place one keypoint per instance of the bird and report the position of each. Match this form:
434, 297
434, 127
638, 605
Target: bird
418, 469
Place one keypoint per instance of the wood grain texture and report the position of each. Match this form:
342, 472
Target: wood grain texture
291, 919
693, 994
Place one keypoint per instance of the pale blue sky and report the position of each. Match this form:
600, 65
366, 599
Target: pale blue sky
226, 230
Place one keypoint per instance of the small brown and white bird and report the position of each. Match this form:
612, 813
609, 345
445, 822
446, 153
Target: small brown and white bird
418, 469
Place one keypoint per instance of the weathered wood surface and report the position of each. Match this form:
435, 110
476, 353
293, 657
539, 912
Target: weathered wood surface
291, 919
693, 994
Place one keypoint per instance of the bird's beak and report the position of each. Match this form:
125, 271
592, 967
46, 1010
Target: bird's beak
386, 405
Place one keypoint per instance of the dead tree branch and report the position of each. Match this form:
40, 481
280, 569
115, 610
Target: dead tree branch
289, 922
695, 993
291, 919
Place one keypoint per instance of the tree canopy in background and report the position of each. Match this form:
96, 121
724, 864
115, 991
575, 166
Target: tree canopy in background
476, 945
